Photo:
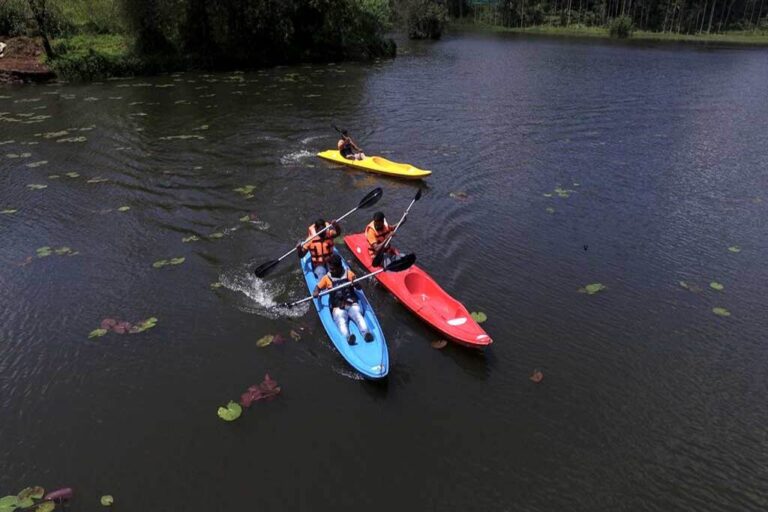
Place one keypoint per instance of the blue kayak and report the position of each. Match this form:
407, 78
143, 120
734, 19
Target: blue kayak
369, 358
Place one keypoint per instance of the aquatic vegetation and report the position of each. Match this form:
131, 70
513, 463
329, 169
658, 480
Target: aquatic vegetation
550, 210
37, 164
265, 340
122, 327
31, 497
592, 288
182, 137
267, 390
216, 285
690, 287
246, 190
735, 248
478, 316
18, 155
537, 376
439, 344
216, 235
97, 180
107, 500
8, 211
192, 238
72, 174
53, 135
231, 412
124, 208
73, 139
295, 336
460, 195
716, 286
721, 311
172, 261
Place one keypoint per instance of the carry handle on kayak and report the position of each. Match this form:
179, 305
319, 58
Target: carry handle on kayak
397, 265
380, 253
369, 200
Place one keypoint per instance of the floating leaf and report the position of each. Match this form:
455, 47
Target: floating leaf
59, 495
144, 325
734, 248
264, 341
547, 195
278, 339
231, 412
550, 210
177, 261
72, 174
160, 263
61, 251
684, 285
37, 164
97, 333
36, 186
216, 285
439, 344
124, 208
479, 316
35, 492
8, 211
216, 235
592, 288
716, 286
188, 239
245, 218
42, 252
97, 180
459, 195
107, 500
108, 323
721, 311
46, 506
246, 190
8, 503
536, 376
295, 336
267, 390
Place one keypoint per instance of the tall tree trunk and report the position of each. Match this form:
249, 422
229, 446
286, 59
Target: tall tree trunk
759, 15
711, 14
40, 13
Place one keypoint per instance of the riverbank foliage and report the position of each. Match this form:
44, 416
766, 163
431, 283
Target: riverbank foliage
423, 19
95, 38
680, 17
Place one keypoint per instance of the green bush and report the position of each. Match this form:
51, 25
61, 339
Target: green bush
621, 27
425, 19
13, 17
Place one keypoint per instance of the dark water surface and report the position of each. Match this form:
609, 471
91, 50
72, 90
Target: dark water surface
649, 401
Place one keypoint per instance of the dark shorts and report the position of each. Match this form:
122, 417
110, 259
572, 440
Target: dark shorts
347, 152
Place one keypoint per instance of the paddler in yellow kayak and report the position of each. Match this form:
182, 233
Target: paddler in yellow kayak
347, 147
320, 246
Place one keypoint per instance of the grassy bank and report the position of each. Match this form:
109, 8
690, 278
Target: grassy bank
756, 38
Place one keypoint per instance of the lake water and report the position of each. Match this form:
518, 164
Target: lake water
655, 158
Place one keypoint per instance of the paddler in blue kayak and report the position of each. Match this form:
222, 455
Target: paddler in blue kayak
320, 246
376, 233
344, 305
347, 147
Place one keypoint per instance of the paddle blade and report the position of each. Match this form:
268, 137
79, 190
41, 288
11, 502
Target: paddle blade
377, 259
401, 264
264, 268
371, 198
418, 195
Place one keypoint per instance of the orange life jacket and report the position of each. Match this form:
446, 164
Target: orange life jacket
380, 235
319, 248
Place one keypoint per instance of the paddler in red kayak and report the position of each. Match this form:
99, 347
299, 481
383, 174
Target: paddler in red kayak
348, 148
320, 246
343, 302
376, 233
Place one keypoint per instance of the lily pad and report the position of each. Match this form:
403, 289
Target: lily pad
36, 186
97, 180
721, 312
8, 211
265, 340
246, 190
245, 218
734, 248
439, 344
231, 412
716, 286
536, 376
592, 288
144, 325
550, 210
160, 263
42, 252
267, 390
46, 506
218, 234
479, 316
8, 503
216, 285
187, 239
107, 500
124, 208
177, 261
61, 251
547, 195
35, 492
295, 336
72, 174
37, 164
97, 333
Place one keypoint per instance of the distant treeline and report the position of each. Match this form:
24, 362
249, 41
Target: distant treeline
680, 16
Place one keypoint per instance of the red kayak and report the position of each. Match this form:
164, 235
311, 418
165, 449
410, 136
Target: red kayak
422, 295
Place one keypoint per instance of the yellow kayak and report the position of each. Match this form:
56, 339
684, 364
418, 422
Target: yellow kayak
377, 164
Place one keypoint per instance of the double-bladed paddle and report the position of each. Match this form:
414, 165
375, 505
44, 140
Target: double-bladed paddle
380, 253
369, 200
355, 146
397, 265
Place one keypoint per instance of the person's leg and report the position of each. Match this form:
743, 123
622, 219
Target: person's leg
341, 318
320, 271
356, 314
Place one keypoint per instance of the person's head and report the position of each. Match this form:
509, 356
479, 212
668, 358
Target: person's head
320, 224
378, 220
334, 265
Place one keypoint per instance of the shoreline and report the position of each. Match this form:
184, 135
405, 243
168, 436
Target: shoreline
755, 39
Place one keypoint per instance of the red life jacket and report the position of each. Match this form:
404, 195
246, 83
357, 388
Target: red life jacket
319, 248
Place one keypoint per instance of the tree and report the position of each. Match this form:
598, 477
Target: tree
42, 15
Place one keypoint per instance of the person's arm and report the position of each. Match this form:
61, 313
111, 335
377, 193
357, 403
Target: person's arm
354, 146
323, 283
335, 230
351, 276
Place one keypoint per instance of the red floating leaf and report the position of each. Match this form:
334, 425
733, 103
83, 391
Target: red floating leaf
60, 495
108, 323
121, 327
278, 339
267, 390
536, 376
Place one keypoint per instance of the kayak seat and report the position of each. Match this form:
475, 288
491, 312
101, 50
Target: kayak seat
420, 289
383, 162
